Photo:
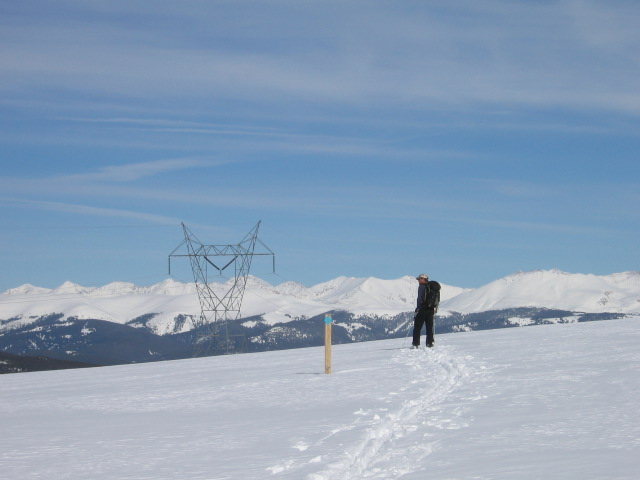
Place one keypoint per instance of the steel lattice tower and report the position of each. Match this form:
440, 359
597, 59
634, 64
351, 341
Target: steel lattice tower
217, 307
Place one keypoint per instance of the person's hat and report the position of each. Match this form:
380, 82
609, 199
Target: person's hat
422, 275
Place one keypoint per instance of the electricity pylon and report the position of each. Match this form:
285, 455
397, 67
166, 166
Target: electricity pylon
218, 305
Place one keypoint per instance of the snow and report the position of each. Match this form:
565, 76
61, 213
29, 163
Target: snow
552, 401
27, 289
115, 288
618, 292
250, 323
72, 288
350, 327
87, 331
375, 296
291, 288
521, 322
122, 302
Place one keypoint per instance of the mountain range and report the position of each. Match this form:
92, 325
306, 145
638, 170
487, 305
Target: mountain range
122, 302
122, 322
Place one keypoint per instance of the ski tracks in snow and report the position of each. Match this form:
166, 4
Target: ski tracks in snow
383, 450
392, 442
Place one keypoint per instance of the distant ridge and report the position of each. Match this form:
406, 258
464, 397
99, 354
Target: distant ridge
164, 302
618, 292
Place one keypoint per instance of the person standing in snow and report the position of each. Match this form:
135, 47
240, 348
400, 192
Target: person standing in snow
427, 306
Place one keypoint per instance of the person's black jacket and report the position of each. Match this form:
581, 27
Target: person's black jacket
427, 291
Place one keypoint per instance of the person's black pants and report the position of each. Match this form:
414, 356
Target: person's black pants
424, 316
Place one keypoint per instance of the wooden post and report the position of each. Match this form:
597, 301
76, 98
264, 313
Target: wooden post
327, 343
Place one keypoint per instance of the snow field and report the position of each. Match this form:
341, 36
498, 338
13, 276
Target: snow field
553, 401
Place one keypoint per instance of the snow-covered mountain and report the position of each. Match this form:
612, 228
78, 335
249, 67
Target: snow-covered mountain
123, 302
618, 292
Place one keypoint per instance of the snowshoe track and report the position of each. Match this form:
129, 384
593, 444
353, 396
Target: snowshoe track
392, 444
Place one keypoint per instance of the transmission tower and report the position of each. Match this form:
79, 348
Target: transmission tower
218, 305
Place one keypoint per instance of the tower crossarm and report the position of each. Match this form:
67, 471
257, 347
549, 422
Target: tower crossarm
220, 302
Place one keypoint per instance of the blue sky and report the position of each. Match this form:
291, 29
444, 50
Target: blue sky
463, 139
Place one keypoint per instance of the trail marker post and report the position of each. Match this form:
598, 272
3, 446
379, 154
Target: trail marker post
327, 343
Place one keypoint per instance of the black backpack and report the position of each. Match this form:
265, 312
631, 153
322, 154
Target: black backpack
433, 295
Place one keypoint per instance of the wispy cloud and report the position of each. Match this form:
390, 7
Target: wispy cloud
134, 171
115, 213
516, 188
92, 211
102, 181
236, 145
562, 228
181, 126
440, 54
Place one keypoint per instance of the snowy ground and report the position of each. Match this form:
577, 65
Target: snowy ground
556, 401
